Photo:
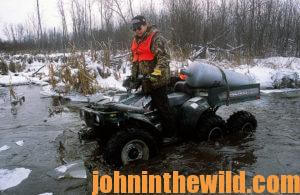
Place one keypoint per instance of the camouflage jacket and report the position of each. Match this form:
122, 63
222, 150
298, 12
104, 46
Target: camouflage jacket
161, 62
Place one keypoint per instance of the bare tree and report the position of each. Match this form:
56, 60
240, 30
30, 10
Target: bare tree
40, 30
6, 32
130, 7
100, 8
90, 17
250, 27
20, 32
61, 10
12, 33
116, 6
107, 15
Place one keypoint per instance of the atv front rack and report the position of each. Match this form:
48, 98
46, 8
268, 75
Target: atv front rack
219, 96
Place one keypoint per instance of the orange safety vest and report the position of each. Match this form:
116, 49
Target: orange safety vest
142, 51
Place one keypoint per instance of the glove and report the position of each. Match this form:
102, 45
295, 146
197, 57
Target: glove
156, 72
126, 82
155, 75
130, 83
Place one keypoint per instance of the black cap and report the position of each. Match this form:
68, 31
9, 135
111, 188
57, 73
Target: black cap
138, 21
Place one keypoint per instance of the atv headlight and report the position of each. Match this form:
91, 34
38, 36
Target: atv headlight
97, 119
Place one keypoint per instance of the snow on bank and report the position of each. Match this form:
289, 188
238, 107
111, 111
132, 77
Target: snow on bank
270, 71
20, 79
283, 93
47, 91
111, 83
11, 178
6, 80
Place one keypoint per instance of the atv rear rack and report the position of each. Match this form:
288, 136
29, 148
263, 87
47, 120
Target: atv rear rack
219, 96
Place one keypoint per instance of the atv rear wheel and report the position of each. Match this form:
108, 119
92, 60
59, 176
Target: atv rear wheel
210, 127
128, 146
241, 123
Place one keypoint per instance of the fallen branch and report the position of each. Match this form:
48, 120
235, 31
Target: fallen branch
218, 37
206, 46
236, 48
38, 70
121, 56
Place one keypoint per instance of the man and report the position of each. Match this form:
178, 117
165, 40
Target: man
150, 59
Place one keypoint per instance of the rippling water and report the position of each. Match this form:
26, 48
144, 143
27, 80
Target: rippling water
32, 124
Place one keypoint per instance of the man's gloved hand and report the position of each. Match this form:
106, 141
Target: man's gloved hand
126, 82
130, 83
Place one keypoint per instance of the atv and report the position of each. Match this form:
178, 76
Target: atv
131, 130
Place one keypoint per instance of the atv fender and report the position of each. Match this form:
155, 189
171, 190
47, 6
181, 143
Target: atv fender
143, 122
192, 110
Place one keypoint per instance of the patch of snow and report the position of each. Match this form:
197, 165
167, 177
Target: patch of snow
111, 82
46, 193
5, 147
261, 75
269, 91
64, 168
47, 91
37, 81
77, 98
271, 70
75, 169
20, 143
7, 80
11, 178
285, 93
20, 79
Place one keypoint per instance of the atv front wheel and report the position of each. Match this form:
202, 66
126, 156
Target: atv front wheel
210, 127
128, 146
241, 123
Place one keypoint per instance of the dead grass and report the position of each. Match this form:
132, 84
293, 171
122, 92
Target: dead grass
16, 67
12, 93
77, 77
106, 48
52, 79
3, 68
67, 78
85, 79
